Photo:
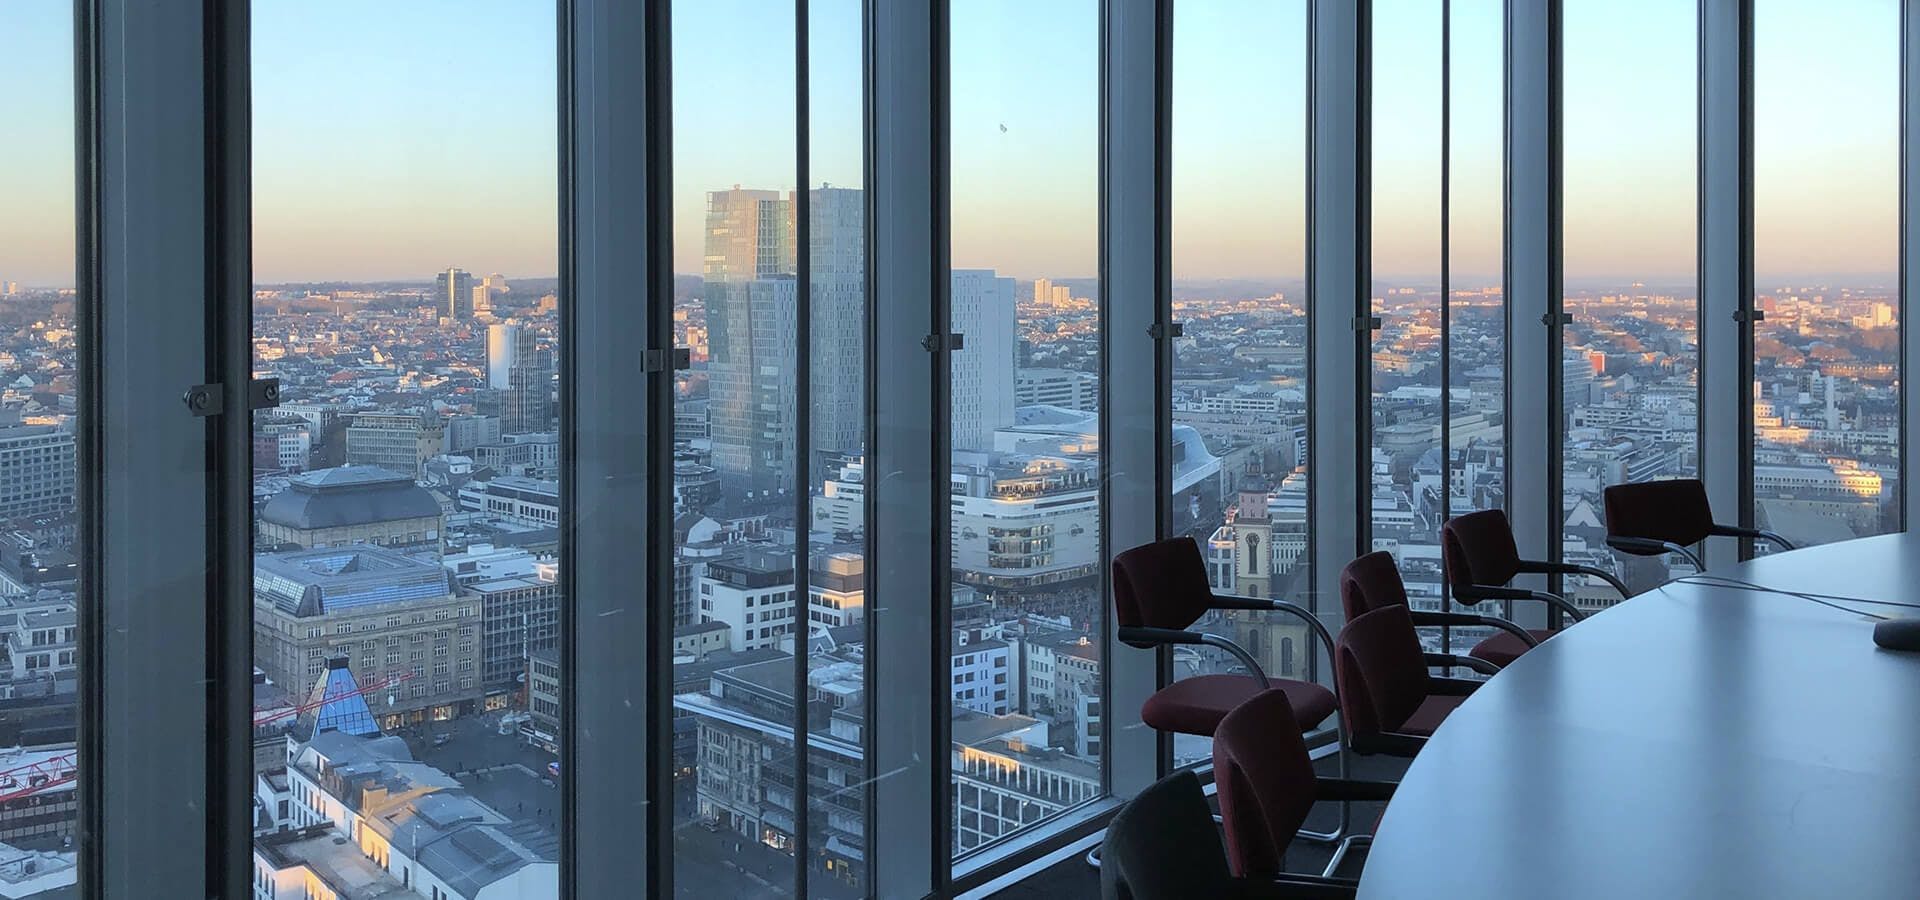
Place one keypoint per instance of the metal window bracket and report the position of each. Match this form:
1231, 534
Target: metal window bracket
205, 400
676, 359
932, 343
1749, 315
1552, 319
1161, 331
1366, 323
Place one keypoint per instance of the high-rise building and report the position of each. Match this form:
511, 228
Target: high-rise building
501, 339
983, 371
453, 294
1042, 290
36, 470
529, 398
397, 442
482, 299
838, 270
749, 296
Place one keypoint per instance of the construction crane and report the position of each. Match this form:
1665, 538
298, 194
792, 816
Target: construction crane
264, 717
51, 772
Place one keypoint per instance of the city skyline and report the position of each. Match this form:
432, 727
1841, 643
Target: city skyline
470, 151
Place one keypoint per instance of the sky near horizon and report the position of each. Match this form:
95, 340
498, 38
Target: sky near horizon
393, 139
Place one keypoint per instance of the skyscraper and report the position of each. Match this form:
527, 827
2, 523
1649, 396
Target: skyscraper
453, 293
528, 404
501, 339
983, 371
749, 294
838, 259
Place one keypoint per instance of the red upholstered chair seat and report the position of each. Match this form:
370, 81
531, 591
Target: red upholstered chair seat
1503, 648
1196, 705
1430, 713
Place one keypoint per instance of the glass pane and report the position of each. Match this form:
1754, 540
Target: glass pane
1025, 469
1407, 493
1476, 439
1239, 288
406, 583
1632, 352
1826, 150
836, 576
39, 546
736, 814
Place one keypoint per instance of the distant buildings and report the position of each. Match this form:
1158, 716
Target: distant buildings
983, 372
349, 505
397, 442
36, 470
453, 294
397, 619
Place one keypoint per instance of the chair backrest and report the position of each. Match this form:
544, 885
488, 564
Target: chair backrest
1381, 671
1478, 549
1370, 582
1674, 511
1265, 780
1161, 585
1162, 844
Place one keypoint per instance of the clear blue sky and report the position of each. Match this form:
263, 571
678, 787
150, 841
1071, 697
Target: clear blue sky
396, 138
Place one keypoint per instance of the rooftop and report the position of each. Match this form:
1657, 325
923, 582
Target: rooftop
346, 496
333, 859
317, 582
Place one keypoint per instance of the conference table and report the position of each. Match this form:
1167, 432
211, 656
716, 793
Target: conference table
1694, 741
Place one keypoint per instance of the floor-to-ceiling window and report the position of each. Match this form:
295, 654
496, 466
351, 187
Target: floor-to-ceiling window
835, 455
1476, 325
738, 607
1406, 474
406, 588
1027, 556
40, 534
1631, 389
1826, 364
1240, 369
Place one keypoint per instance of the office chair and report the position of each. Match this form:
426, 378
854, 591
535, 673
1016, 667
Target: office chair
1657, 517
1480, 558
1372, 582
1267, 785
1159, 591
1390, 703
1163, 846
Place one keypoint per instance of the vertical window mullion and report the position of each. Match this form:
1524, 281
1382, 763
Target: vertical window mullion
908, 846
1726, 267
1337, 280
616, 391
146, 282
1532, 280
1136, 413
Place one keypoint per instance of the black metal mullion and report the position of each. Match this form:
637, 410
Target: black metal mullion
800, 627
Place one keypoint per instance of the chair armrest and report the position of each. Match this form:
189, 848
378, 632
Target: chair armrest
1651, 547
1292, 886
1446, 618
1755, 533
1389, 743
1143, 636
1558, 602
1467, 662
1235, 601
1342, 789
1295, 887
1540, 567
1452, 687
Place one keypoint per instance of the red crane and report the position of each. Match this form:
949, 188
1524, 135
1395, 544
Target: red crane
263, 717
33, 778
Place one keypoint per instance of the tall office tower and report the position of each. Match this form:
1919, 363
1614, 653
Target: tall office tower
838, 260
453, 293
982, 371
749, 294
529, 399
36, 470
497, 284
1062, 295
1042, 290
482, 299
501, 339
